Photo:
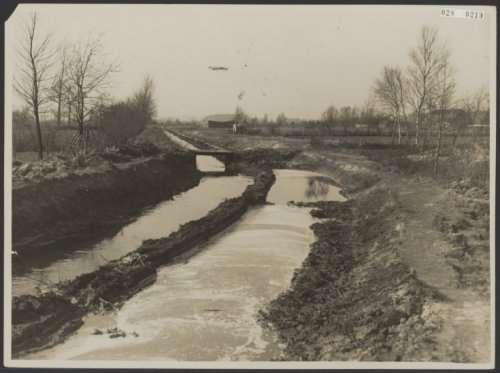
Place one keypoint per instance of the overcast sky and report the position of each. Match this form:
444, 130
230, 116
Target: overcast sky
293, 59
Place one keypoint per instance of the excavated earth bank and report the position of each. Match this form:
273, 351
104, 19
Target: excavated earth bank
41, 321
58, 210
354, 298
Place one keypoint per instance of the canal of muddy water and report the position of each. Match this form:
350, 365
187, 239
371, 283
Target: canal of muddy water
40, 270
205, 306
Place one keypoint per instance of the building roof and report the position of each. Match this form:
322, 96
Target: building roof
223, 118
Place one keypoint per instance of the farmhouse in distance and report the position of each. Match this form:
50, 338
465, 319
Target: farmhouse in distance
219, 121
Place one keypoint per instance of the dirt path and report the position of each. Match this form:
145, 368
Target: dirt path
464, 317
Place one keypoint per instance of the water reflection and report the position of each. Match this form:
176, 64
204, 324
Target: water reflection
206, 308
304, 186
155, 222
317, 187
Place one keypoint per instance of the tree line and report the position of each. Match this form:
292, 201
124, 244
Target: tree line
70, 82
419, 99
344, 117
423, 95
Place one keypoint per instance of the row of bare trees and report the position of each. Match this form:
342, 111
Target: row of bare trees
426, 89
427, 84
68, 80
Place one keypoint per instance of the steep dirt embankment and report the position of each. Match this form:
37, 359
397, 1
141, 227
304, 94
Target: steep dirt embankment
64, 208
353, 298
39, 322
383, 282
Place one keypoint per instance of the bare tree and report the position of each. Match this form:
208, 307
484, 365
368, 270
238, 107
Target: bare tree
476, 109
390, 90
348, 115
88, 74
33, 78
240, 116
58, 88
144, 101
369, 113
445, 90
330, 118
476, 104
425, 64
330, 114
281, 119
69, 101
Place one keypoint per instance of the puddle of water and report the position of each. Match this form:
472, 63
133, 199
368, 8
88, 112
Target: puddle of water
155, 222
206, 308
303, 186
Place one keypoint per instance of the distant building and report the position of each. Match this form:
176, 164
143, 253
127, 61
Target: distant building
361, 127
220, 121
294, 121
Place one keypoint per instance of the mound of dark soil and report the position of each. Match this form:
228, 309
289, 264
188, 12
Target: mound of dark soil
353, 298
41, 320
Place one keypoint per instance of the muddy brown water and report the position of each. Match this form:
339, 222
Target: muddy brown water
205, 307
41, 270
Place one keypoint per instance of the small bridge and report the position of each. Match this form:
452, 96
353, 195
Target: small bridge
213, 152
221, 155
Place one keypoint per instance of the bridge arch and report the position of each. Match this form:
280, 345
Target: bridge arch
213, 161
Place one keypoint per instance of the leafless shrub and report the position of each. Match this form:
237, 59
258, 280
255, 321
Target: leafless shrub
88, 77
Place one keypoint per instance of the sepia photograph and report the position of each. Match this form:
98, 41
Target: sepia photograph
249, 186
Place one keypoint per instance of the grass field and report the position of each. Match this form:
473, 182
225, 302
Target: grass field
226, 137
